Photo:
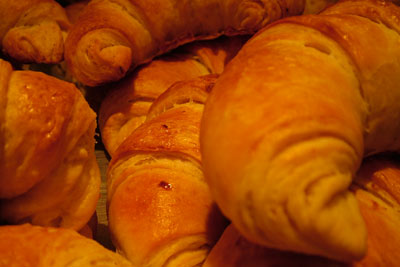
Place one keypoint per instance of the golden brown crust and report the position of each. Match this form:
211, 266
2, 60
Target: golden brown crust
377, 190
49, 171
126, 105
33, 31
101, 48
35, 246
160, 209
302, 94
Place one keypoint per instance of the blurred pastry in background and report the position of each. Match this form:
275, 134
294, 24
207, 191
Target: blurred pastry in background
33, 31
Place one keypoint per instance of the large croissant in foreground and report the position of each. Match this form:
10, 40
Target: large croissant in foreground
36, 246
112, 37
33, 31
292, 116
49, 173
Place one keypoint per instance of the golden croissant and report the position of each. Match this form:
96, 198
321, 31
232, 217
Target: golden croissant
160, 209
33, 31
112, 37
49, 173
291, 118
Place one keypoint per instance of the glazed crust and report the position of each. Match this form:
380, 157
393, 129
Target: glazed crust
160, 210
50, 175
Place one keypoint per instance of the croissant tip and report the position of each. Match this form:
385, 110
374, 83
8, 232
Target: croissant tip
118, 57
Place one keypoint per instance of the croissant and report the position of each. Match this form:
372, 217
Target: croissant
126, 104
33, 31
112, 37
49, 173
376, 188
291, 118
36, 246
160, 210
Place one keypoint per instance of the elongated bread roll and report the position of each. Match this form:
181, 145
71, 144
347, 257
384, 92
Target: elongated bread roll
49, 173
377, 189
33, 31
290, 119
112, 37
160, 208
125, 106
36, 246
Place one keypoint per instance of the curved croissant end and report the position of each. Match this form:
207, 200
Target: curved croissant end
34, 43
108, 56
33, 30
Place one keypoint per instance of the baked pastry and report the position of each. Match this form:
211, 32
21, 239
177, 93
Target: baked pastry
33, 31
160, 209
126, 104
49, 173
377, 191
36, 246
291, 118
112, 37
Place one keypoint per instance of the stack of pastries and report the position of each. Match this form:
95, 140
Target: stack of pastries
238, 133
